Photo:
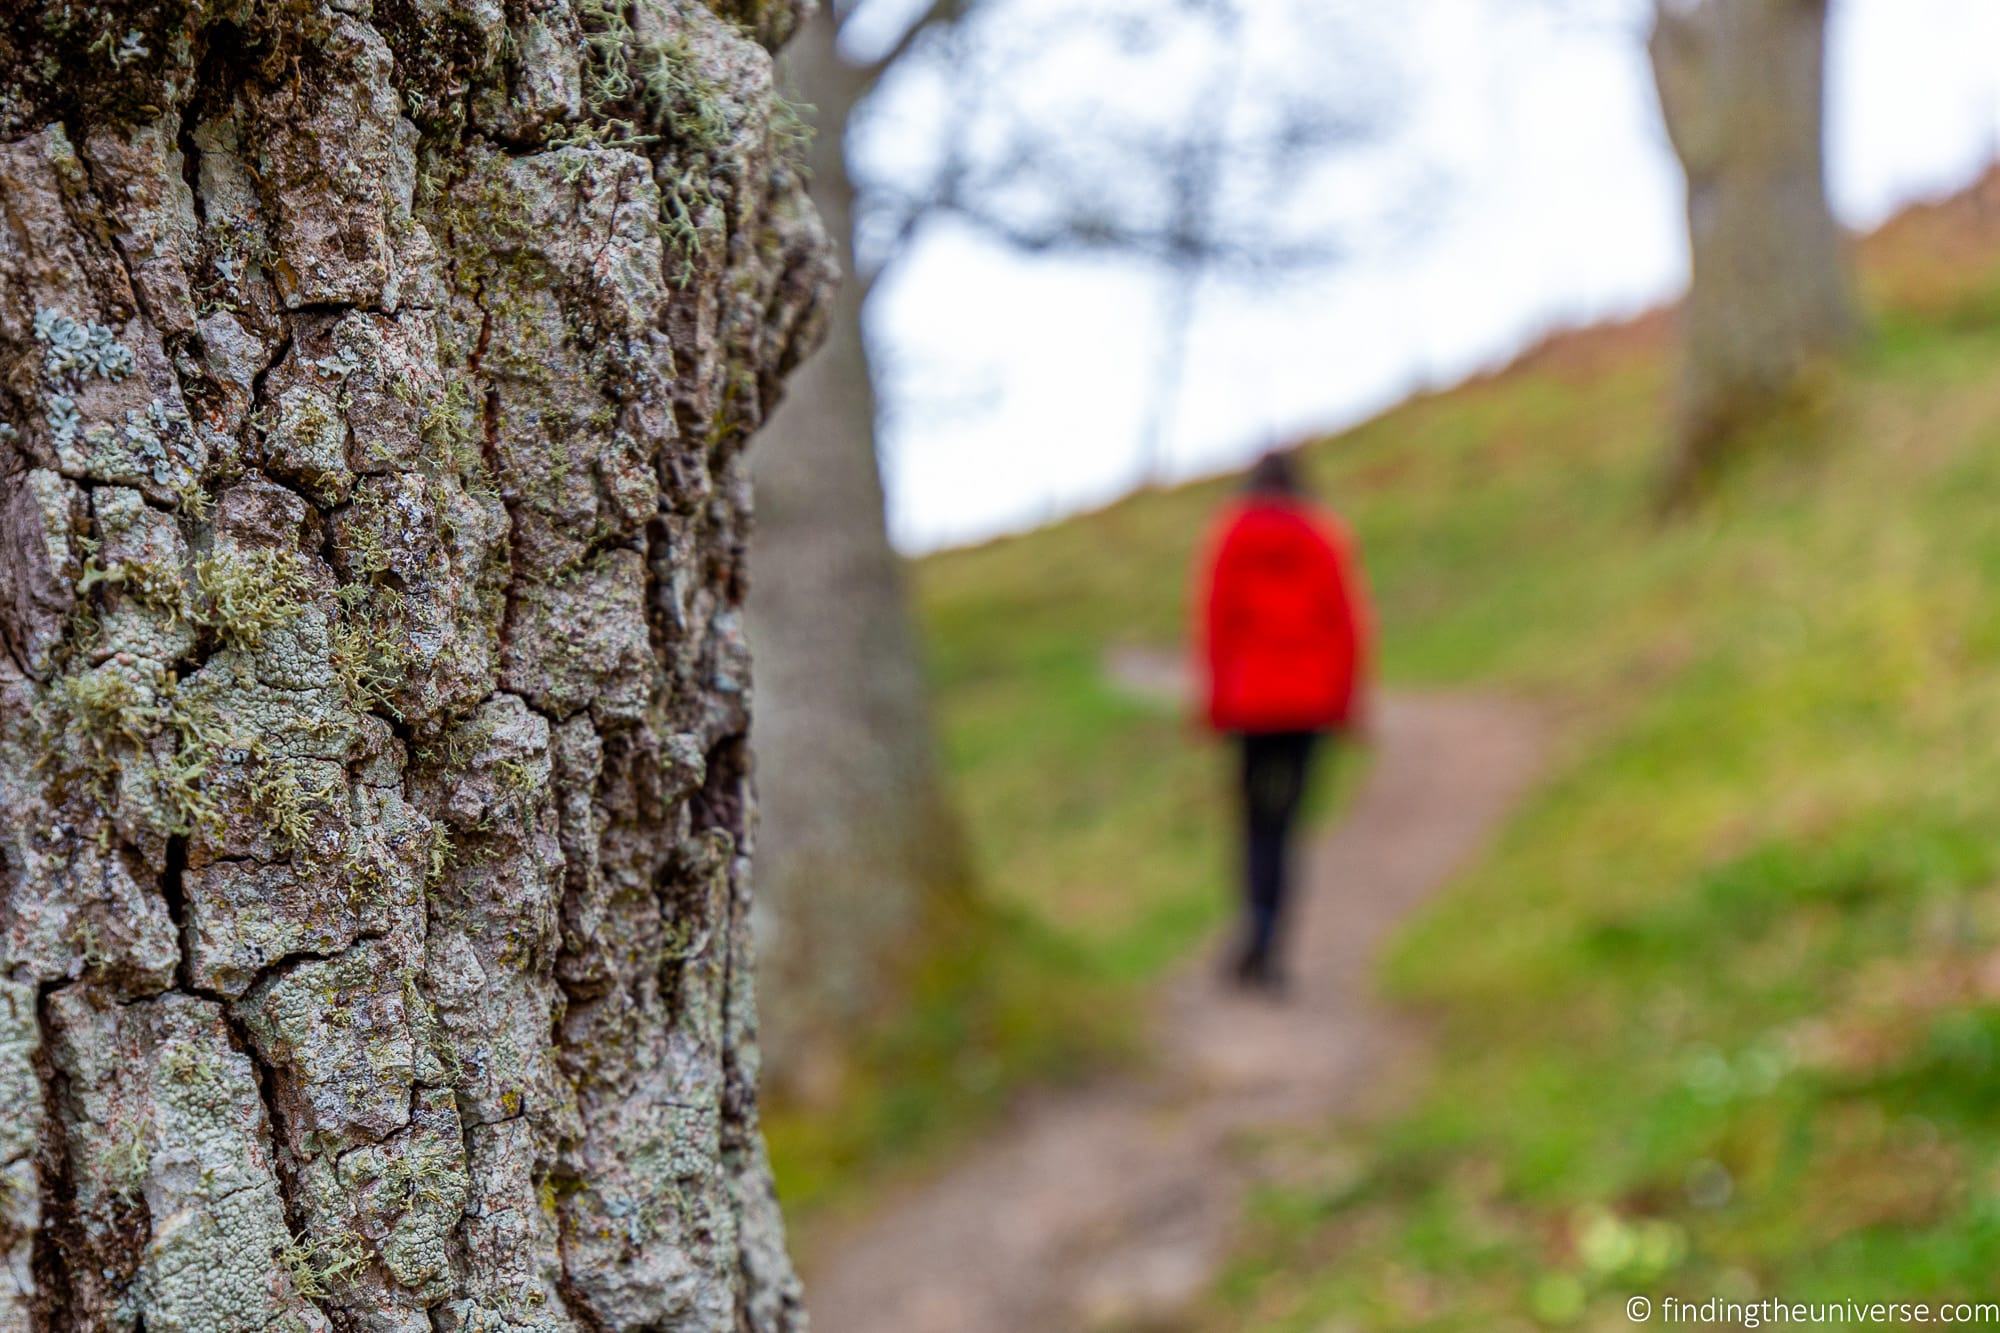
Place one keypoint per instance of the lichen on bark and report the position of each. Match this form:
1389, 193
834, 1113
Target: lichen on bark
374, 381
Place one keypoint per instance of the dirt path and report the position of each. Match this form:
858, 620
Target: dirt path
1113, 1203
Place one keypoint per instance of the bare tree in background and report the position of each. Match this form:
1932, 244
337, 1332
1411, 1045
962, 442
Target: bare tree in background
374, 897
1742, 84
858, 841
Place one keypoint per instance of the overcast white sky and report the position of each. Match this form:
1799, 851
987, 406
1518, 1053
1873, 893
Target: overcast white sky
1016, 388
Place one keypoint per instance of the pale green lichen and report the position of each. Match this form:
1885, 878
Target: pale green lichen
102, 724
155, 440
638, 92
238, 249
305, 441
638, 89
248, 594
688, 205
518, 777
156, 435
439, 857
157, 583
286, 803
430, 1174
370, 645
126, 1162
317, 1264
100, 711
78, 349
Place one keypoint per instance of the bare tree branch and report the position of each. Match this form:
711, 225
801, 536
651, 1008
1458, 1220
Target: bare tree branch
938, 14
1221, 176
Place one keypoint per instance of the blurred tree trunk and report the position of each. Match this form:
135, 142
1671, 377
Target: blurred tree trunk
373, 706
1742, 86
856, 842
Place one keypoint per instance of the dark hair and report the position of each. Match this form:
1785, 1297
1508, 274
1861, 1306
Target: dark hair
1275, 474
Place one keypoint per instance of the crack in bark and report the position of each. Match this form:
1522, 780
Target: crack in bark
56, 1235
173, 892
284, 1171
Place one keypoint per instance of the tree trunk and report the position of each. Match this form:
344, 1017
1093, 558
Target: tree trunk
856, 838
373, 710
1742, 86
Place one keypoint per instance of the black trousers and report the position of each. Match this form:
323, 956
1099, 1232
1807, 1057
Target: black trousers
1275, 768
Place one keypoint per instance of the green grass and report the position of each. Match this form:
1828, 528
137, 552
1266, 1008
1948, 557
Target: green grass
1719, 1013
998, 1002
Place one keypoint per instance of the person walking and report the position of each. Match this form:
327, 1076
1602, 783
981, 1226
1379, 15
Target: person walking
1284, 634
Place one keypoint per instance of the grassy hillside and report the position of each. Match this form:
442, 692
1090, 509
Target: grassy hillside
1721, 1012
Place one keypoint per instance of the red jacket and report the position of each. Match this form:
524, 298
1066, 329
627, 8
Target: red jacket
1284, 621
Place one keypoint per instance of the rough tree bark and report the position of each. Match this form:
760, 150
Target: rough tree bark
858, 842
373, 709
1742, 87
